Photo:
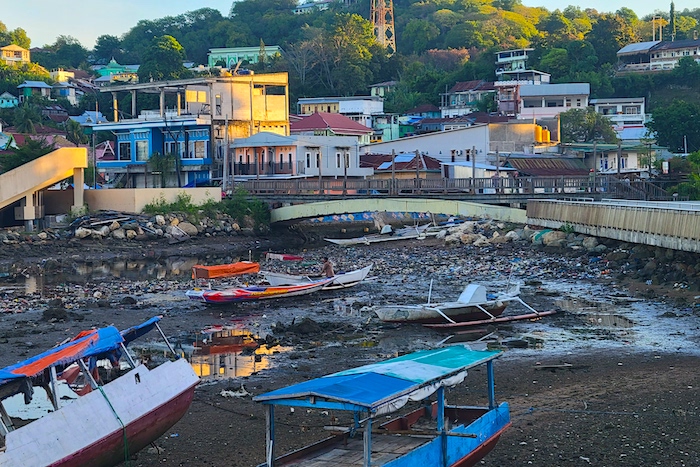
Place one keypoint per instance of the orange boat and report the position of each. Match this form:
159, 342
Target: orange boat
224, 270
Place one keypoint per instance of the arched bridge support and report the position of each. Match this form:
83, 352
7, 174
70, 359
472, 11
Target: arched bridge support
435, 206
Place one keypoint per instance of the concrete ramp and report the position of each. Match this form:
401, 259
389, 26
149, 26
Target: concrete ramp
32, 177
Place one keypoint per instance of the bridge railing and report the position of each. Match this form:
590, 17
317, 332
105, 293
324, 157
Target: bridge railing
609, 185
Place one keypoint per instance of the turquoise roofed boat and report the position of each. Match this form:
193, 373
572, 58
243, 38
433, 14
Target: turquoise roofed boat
434, 434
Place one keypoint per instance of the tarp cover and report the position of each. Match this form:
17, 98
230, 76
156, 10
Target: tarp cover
375, 386
97, 342
224, 270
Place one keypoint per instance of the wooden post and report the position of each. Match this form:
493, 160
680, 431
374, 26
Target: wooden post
392, 191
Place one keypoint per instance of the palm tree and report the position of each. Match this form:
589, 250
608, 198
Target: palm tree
26, 118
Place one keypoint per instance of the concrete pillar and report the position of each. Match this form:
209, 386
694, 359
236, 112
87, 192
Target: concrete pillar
133, 104
78, 190
26, 212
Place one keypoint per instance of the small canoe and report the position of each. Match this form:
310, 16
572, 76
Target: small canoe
224, 270
407, 233
341, 280
254, 293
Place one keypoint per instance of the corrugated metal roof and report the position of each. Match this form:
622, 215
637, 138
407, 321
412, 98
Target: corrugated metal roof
548, 167
639, 47
378, 386
340, 124
684, 44
562, 89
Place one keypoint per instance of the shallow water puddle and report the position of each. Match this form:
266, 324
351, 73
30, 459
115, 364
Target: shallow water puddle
227, 352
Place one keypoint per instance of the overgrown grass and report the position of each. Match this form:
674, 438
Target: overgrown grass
239, 207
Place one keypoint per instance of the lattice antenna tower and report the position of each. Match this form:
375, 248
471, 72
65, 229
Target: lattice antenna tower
382, 13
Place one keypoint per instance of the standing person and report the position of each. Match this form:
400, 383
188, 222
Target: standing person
327, 268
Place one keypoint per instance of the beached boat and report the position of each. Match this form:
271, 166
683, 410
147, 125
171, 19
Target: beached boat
435, 434
89, 421
387, 235
255, 292
474, 307
219, 271
473, 304
341, 280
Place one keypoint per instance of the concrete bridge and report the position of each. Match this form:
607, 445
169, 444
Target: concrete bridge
674, 225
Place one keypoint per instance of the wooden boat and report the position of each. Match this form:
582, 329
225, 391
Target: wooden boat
434, 434
341, 280
255, 292
406, 233
473, 304
97, 423
224, 270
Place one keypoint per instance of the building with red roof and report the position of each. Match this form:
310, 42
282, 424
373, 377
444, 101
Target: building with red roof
331, 124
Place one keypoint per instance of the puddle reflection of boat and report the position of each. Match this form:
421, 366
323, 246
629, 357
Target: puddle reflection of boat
109, 415
434, 434
224, 339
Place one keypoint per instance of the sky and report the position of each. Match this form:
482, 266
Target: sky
45, 20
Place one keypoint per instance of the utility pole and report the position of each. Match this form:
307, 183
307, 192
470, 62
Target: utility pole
393, 173
473, 156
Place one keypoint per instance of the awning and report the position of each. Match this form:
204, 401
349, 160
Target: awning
385, 386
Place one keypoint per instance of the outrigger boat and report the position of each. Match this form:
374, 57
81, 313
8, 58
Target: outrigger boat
473, 307
435, 434
255, 292
406, 233
341, 280
96, 423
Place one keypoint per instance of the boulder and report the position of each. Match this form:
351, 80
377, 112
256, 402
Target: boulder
42, 235
174, 221
160, 220
114, 226
188, 228
104, 230
82, 232
554, 238
589, 243
119, 234
131, 234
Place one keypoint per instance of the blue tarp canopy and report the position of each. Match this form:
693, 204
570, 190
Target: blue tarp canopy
385, 386
94, 343
139, 330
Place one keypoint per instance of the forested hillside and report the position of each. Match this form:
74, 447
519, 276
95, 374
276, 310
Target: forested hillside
439, 42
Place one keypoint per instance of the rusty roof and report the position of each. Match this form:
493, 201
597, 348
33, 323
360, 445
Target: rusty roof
548, 166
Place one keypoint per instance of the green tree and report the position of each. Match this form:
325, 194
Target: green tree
586, 126
677, 125
162, 165
30, 150
75, 133
108, 47
609, 34
26, 118
66, 52
163, 61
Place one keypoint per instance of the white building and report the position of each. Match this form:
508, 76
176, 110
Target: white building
627, 116
362, 109
439, 145
549, 100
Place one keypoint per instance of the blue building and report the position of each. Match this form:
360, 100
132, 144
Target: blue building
186, 137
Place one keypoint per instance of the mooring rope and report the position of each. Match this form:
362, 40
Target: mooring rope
126, 441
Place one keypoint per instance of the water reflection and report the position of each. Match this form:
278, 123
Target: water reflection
228, 352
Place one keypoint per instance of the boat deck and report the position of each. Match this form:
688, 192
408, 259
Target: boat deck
385, 448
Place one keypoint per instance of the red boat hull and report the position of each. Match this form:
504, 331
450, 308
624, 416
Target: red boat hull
110, 450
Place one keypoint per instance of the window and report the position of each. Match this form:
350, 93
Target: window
308, 160
281, 160
318, 160
337, 160
142, 151
290, 161
125, 151
196, 150
174, 148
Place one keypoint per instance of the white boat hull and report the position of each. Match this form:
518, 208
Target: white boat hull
340, 281
86, 431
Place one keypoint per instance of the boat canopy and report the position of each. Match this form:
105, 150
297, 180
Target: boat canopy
386, 386
99, 343
224, 270
93, 343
